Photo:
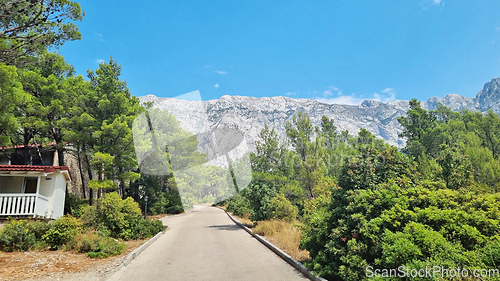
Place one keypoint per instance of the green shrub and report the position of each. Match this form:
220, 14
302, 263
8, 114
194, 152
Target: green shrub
402, 222
107, 247
62, 231
490, 252
79, 210
74, 205
119, 218
239, 205
260, 191
23, 235
177, 209
95, 245
157, 203
115, 214
280, 208
143, 228
39, 228
146, 228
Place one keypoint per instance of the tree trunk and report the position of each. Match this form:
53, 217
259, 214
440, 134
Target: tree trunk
26, 152
57, 135
79, 155
233, 177
122, 183
60, 154
89, 171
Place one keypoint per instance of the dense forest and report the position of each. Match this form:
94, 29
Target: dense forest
358, 201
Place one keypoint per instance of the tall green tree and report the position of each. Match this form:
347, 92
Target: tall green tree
329, 132
490, 132
311, 164
170, 153
418, 125
12, 97
29, 28
51, 89
102, 164
300, 133
373, 163
114, 109
456, 168
269, 155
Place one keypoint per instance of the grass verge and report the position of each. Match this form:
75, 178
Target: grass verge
282, 234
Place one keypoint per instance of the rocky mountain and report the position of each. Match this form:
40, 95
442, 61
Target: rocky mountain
249, 114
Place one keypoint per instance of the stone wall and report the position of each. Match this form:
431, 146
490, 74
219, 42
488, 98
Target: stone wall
71, 160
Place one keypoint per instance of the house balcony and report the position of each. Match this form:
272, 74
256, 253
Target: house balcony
23, 205
33, 191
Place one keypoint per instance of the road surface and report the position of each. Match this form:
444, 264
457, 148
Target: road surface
206, 245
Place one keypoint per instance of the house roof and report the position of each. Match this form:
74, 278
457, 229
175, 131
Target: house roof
33, 168
30, 145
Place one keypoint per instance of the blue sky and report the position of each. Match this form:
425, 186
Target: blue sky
334, 51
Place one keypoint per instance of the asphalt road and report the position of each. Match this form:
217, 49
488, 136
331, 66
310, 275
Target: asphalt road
206, 245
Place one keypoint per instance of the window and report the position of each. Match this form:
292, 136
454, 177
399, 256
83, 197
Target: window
30, 185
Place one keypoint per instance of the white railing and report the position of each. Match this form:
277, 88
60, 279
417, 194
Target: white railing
20, 204
41, 206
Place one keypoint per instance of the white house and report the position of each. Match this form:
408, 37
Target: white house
33, 190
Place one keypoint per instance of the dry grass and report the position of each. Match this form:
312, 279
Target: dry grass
37, 264
283, 235
157, 217
246, 221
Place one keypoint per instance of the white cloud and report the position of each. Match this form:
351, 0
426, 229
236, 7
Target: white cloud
329, 91
428, 4
100, 37
290, 94
99, 61
386, 95
350, 100
216, 85
221, 72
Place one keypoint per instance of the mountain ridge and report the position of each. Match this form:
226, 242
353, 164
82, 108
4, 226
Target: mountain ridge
250, 114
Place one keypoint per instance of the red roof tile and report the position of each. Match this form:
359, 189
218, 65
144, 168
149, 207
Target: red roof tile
30, 145
28, 168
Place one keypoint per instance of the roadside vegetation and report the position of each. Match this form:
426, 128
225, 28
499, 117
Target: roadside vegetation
356, 201
99, 232
284, 233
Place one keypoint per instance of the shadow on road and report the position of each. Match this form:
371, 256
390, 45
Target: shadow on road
230, 227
